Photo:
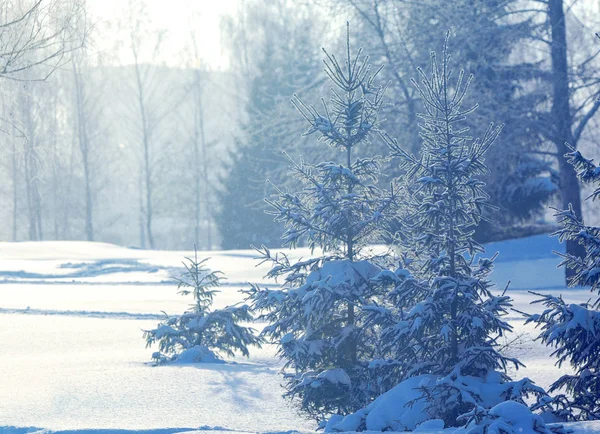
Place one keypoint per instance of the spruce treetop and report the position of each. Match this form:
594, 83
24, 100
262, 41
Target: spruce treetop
448, 193
339, 208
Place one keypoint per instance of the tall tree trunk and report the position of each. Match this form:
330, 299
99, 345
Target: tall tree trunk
30, 158
197, 174
142, 212
65, 226
15, 185
84, 147
89, 222
561, 113
204, 145
148, 178
147, 169
56, 190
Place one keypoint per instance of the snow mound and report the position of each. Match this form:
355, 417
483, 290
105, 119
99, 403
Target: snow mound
430, 425
509, 417
198, 353
404, 408
335, 376
391, 411
195, 354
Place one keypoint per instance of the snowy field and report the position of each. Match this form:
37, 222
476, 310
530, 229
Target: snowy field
73, 358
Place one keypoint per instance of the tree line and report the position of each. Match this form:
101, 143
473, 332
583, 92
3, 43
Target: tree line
535, 74
100, 147
159, 156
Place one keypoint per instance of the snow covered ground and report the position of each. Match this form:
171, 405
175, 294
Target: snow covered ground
73, 358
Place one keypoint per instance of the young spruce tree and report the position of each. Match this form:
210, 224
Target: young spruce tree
200, 334
446, 321
574, 329
316, 317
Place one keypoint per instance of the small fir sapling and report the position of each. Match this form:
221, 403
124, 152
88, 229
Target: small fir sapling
201, 334
316, 315
574, 329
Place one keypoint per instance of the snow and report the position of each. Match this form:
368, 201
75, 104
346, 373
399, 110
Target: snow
335, 376
339, 273
430, 425
402, 409
198, 353
73, 373
201, 430
516, 415
391, 411
74, 358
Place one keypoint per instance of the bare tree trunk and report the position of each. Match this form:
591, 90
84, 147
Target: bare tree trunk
31, 168
201, 204
15, 185
197, 174
146, 167
148, 196
561, 113
142, 213
89, 222
83, 138
57, 200
204, 146
65, 228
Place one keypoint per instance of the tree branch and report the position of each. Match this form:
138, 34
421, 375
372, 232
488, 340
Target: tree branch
584, 121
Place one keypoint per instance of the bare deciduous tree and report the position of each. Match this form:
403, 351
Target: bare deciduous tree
38, 35
568, 122
148, 117
202, 190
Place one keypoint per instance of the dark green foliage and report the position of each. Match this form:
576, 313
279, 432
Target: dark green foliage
518, 182
241, 219
489, 40
285, 62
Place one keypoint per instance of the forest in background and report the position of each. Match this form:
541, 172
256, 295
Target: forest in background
161, 156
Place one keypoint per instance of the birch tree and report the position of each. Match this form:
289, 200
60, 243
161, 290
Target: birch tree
148, 116
37, 36
202, 186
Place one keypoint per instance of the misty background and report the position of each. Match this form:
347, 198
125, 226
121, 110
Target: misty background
156, 124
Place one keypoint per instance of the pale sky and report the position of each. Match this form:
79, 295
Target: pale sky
177, 18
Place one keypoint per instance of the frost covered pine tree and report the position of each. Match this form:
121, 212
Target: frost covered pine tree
574, 329
441, 336
315, 317
201, 334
